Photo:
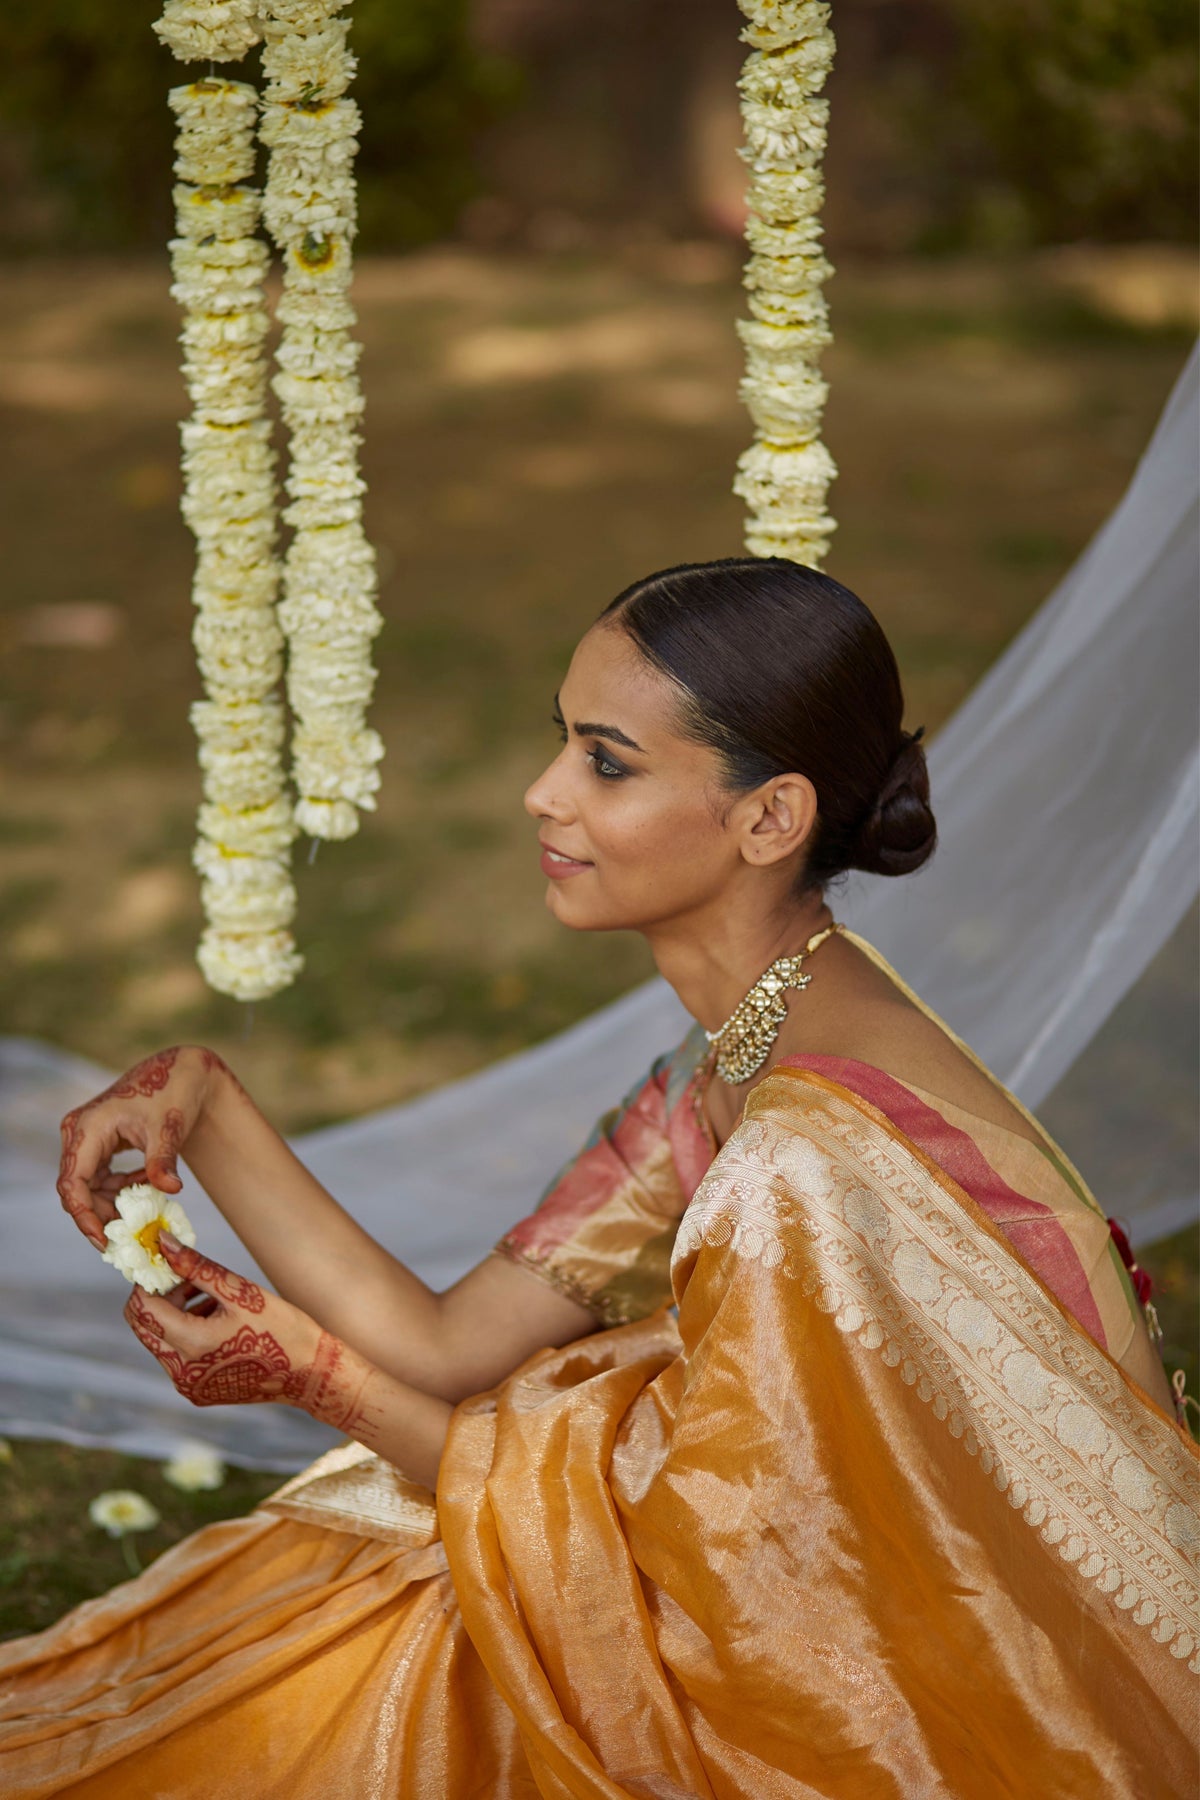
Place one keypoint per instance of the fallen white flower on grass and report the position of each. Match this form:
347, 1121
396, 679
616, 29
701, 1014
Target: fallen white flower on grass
194, 1468
122, 1510
133, 1237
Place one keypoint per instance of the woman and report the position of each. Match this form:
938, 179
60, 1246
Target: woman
868, 1485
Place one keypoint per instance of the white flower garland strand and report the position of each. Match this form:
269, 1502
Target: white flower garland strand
785, 475
328, 611
245, 821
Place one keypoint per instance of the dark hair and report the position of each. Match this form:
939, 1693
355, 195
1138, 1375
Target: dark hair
782, 670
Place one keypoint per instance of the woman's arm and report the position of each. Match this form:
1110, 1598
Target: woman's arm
185, 1101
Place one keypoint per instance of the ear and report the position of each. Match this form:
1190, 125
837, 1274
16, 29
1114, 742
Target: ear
777, 819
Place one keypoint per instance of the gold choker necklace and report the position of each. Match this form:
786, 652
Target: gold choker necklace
747, 1037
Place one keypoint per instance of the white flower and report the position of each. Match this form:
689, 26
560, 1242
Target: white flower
319, 311
784, 476
777, 24
209, 30
194, 1468
249, 966
122, 1510
329, 819
313, 61
228, 213
256, 830
301, 16
143, 1213
214, 144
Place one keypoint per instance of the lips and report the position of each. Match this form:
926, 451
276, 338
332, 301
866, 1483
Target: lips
558, 866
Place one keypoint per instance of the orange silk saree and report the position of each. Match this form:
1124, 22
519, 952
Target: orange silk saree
877, 1508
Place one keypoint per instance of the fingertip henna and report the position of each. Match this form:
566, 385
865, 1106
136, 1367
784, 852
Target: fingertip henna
215, 1278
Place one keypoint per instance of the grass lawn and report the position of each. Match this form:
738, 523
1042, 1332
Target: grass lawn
539, 433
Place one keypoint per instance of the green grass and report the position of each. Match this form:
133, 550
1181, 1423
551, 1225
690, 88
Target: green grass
51, 1555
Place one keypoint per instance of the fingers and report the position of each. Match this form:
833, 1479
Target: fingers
232, 1290
144, 1322
72, 1185
161, 1162
164, 1328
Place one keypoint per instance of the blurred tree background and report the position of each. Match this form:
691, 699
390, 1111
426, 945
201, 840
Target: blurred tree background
959, 124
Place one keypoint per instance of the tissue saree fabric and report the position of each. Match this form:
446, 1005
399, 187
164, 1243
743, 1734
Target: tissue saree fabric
857, 1494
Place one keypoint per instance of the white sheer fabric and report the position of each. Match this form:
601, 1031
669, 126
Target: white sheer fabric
1067, 790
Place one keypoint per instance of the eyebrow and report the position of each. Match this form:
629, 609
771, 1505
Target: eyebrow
585, 728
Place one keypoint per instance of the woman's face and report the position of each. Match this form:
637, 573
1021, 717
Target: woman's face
629, 812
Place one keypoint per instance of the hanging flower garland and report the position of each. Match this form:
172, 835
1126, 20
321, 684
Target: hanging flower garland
785, 475
328, 611
245, 821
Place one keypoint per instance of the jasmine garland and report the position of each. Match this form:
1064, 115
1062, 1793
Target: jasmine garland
785, 475
245, 823
328, 612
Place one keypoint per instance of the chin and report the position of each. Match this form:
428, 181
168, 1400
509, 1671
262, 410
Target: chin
579, 915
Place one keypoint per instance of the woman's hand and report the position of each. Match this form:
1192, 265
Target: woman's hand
152, 1108
224, 1340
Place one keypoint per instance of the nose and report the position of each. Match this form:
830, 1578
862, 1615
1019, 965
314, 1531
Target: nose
546, 798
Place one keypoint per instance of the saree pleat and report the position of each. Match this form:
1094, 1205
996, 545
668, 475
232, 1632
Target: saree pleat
866, 1514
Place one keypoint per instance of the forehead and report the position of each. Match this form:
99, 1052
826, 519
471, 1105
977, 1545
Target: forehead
610, 682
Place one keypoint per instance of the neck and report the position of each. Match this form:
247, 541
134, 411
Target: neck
712, 964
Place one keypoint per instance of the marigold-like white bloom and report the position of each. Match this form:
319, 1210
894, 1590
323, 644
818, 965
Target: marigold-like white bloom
214, 144
298, 15
782, 24
792, 77
209, 30
256, 830
784, 410
248, 965
221, 215
143, 1214
195, 1468
319, 311
122, 1510
311, 61
329, 819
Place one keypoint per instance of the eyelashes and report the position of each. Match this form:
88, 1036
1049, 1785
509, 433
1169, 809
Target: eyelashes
605, 767
602, 763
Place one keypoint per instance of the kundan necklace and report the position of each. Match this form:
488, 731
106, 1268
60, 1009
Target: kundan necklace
744, 1042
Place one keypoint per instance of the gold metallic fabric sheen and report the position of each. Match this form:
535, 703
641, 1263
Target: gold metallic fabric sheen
874, 1516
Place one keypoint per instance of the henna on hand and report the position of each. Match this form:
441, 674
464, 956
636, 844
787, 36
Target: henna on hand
253, 1366
213, 1277
216, 1065
331, 1387
146, 1328
325, 1378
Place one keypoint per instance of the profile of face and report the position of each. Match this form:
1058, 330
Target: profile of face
636, 825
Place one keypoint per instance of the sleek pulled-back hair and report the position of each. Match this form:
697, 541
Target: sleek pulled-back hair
783, 670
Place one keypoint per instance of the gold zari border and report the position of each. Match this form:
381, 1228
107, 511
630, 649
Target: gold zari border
352, 1489
820, 1188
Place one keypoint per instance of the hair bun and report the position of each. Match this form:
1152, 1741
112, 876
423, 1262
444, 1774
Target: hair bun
899, 833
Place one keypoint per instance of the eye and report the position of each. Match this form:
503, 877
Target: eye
560, 725
604, 766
